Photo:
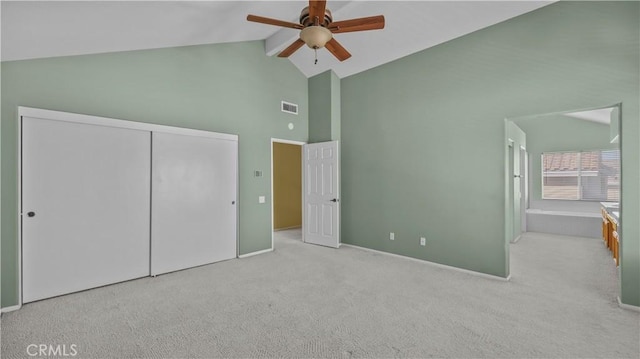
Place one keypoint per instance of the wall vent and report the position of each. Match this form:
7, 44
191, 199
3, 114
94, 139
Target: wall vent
289, 107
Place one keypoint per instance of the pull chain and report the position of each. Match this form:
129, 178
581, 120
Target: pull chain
316, 52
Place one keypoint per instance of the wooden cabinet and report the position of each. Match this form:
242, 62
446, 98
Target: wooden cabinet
610, 235
605, 227
615, 241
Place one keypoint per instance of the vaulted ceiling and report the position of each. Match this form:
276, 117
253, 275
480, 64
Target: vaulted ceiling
38, 29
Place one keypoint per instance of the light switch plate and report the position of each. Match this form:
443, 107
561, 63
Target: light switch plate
261, 199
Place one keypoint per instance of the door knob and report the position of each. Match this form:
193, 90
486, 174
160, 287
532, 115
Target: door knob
335, 200
31, 214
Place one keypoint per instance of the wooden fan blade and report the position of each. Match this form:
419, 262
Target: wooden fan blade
316, 9
360, 24
269, 21
337, 50
291, 49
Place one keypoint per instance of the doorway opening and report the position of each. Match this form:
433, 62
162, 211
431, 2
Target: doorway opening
286, 189
572, 161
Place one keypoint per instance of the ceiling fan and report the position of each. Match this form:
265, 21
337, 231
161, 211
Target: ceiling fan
317, 29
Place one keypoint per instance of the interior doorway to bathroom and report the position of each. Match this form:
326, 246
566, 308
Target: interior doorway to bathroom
286, 188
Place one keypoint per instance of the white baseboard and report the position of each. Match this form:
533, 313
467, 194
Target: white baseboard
255, 253
10, 309
628, 306
438, 265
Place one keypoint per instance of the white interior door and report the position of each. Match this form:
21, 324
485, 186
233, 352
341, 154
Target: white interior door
85, 206
321, 221
524, 185
517, 194
194, 182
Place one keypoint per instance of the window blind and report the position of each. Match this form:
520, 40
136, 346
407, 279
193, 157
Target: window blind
581, 175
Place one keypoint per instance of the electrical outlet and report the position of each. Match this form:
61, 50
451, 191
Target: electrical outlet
392, 236
423, 241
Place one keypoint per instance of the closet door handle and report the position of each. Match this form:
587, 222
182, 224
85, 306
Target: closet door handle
31, 214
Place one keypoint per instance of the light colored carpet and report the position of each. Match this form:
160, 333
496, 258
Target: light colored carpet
308, 301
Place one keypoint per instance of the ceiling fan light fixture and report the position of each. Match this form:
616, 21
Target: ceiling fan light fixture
315, 36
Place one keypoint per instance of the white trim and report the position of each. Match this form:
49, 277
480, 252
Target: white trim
289, 142
19, 193
238, 199
507, 229
255, 253
10, 308
112, 122
437, 265
628, 306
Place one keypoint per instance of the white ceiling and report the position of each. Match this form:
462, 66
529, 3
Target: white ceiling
37, 29
602, 115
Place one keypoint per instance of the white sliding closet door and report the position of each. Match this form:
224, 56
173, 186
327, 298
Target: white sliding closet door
194, 182
85, 206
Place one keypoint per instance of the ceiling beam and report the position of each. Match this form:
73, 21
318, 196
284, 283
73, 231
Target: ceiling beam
284, 37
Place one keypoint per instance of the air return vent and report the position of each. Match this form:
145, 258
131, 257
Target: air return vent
289, 107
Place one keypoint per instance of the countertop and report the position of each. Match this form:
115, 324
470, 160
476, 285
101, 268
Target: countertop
615, 215
613, 208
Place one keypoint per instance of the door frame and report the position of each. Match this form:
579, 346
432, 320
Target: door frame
288, 142
107, 122
511, 157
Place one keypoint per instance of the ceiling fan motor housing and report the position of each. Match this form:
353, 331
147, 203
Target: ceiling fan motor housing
305, 20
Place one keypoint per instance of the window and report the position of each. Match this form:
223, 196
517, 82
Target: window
584, 175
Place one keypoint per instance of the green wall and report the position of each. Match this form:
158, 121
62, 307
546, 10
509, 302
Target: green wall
423, 137
324, 107
230, 88
336, 107
555, 133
